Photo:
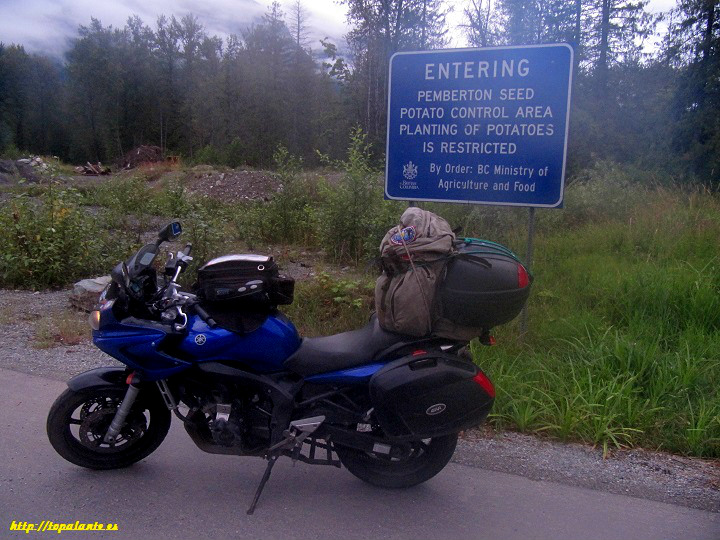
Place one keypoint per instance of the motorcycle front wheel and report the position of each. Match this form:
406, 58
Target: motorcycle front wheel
78, 421
420, 461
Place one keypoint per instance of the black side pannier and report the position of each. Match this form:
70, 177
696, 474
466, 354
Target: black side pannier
485, 285
430, 395
240, 291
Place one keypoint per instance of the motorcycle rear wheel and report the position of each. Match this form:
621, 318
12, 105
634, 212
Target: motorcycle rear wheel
78, 421
426, 459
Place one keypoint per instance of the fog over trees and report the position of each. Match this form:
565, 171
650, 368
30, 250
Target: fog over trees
233, 100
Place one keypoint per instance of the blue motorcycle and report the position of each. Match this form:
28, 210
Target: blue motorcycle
233, 369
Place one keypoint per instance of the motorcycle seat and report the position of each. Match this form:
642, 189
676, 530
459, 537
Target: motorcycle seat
343, 351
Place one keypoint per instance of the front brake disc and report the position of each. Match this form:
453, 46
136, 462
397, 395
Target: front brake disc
95, 425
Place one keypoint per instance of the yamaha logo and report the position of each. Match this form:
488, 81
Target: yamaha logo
432, 410
200, 339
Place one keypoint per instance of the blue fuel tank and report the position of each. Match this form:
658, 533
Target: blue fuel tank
159, 353
263, 350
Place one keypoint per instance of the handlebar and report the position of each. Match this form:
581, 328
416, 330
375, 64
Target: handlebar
180, 263
170, 297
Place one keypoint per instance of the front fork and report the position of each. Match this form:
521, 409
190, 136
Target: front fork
121, 415
128, 401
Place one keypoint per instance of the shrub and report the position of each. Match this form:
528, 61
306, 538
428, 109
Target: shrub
603, 193
172, 199
51, 242
327, 304
207, 155
9, 150
204, 226
128, 204
287, 217
235, 153
347, 217
354, 217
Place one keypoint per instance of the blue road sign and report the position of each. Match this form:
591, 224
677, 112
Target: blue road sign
485, 126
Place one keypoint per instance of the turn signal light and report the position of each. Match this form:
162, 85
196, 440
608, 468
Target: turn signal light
95, 320
483, 381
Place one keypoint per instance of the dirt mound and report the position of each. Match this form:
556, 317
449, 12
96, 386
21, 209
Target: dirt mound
233, 185
139, 155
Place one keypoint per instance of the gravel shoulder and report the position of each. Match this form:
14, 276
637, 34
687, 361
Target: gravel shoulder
639, 473
20, 313
645, 474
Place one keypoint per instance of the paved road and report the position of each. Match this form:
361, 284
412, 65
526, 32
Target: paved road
180, 492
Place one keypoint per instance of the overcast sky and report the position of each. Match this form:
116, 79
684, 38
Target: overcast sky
46, 25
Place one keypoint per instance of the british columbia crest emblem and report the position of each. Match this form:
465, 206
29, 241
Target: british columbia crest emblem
410, 171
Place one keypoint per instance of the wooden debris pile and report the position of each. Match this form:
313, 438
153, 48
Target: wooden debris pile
92, 169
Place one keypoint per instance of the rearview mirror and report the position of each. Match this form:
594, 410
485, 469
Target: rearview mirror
170, 232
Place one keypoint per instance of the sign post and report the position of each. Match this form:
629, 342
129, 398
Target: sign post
481, 126
528, 264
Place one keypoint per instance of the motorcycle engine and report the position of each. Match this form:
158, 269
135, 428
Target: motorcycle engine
239, 423
227, 418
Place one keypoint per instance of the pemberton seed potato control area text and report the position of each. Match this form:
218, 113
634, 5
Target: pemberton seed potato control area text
479, 125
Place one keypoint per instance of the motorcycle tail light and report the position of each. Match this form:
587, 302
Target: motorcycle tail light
487, 339
483, 381
523, 277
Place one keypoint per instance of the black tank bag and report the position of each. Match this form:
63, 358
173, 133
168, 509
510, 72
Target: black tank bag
240, 291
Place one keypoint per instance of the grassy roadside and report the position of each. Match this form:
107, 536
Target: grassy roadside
624, 343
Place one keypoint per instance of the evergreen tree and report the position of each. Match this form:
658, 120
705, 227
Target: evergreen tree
481, 25
693, 45
380, 29
539, 21
31, 106
617, 31
234, 100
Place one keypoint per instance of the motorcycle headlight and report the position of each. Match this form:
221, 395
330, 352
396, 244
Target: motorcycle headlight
95, 319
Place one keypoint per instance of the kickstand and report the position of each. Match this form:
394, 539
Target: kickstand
271, 462
298, 431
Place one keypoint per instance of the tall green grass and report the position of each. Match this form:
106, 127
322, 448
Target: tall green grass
624, 341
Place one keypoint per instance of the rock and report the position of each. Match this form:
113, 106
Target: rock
7, 166
86, 292
26, 170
